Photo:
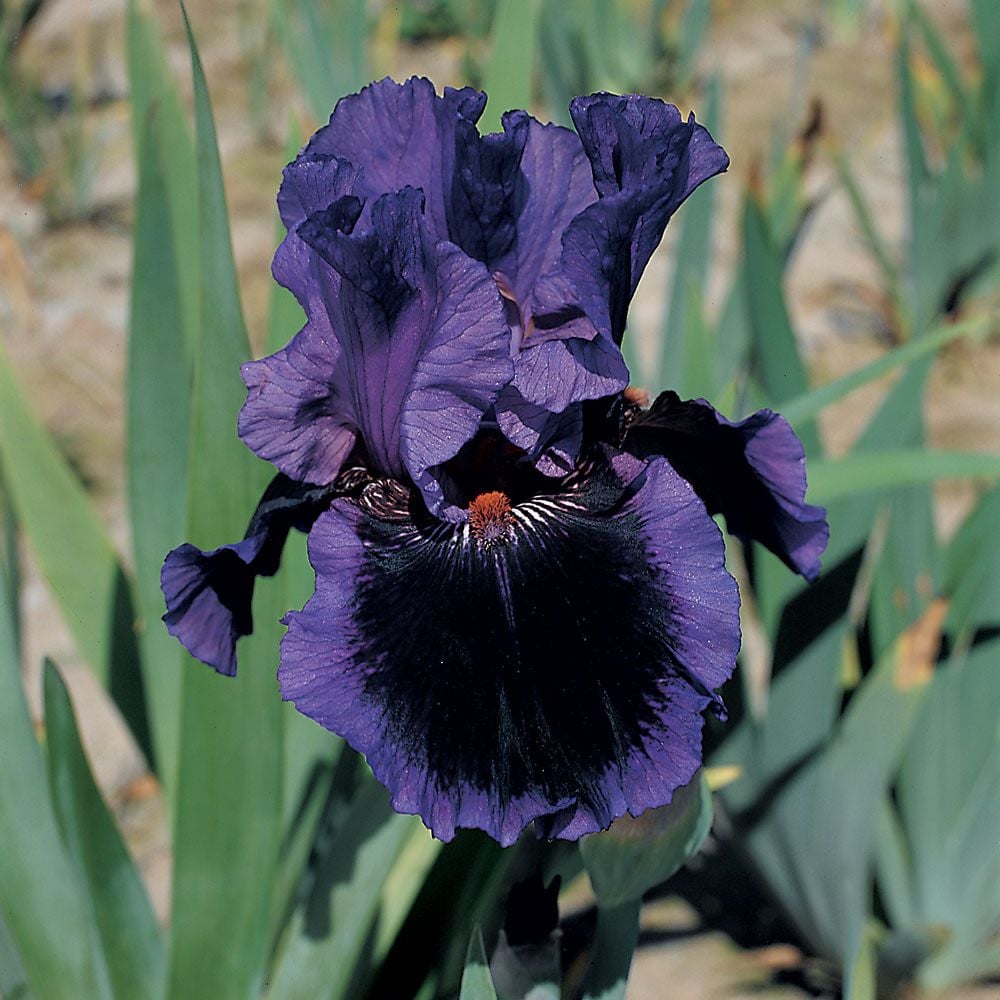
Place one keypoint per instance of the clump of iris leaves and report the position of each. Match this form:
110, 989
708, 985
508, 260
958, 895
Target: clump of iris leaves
859, 776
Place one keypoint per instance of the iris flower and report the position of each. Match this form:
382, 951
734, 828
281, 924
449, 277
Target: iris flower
521, 608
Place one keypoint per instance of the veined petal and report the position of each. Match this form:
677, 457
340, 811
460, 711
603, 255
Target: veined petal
292, 416
559, 187
487, 192
752, 471
425, 347
208, 594
401, 135
635, 142
313, 181
552, 441
541, 411
413, 352
560, 372
311, 184
513, 195
554, 668
646, 160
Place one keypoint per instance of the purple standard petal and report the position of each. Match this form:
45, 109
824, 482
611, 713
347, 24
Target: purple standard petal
310, 184
512, 197
569, 320
555, 666
559, 186
753, 471
208, 594
504, 198
401, 135
646, 160
551, 441
487, 192
292, 416
421, 345
561, 372
636, 142
313, 181
540, 411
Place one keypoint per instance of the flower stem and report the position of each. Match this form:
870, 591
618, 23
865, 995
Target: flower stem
614, 944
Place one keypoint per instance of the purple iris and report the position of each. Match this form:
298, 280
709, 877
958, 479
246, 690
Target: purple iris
521, 607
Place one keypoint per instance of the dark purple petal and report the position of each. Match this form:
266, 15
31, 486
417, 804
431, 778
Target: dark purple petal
560, 372
504, 198
559, 186
288, 418
406, 349
487, 192
636, 142
423, 345
401, 135
208, 597
208, 594
753, 471
540, 410
553, 667
295, 263
646, 160
311, 182
291, 416
311, 185
569, 303
513, 195
552, 441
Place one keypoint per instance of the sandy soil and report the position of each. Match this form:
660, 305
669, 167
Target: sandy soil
64, 299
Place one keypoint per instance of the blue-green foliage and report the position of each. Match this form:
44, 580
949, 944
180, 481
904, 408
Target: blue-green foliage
864, 725
950, 122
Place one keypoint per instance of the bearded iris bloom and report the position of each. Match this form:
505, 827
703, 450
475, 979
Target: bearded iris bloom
521, 607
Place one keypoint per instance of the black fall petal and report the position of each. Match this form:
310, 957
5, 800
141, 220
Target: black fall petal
209, 594
555, 667
752, 471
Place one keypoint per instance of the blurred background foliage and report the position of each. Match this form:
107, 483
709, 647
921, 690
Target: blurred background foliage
856, 812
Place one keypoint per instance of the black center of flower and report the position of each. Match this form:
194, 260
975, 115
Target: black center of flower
491, 464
